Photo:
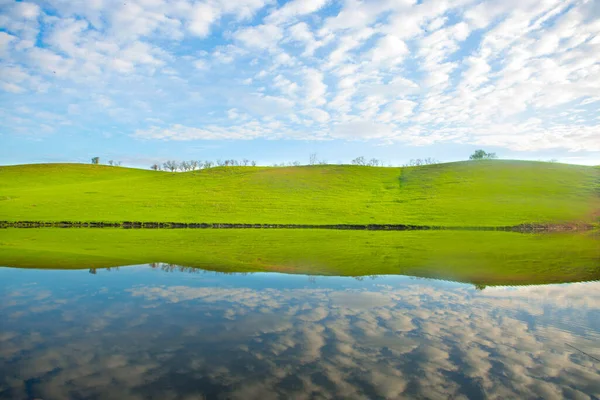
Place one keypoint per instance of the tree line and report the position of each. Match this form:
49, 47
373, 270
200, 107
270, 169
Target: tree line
193, 165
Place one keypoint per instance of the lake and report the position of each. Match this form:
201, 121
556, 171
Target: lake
82, 317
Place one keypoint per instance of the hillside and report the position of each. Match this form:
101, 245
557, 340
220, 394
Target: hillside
482, 193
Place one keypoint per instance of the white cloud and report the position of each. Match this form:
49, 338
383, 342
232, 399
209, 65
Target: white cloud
286, 86
5, 41
260, 37
12, 88
389, 49
399, 110
27, 10
295, 8
202, 16
200, 64
314, 87
301, 32
317, 115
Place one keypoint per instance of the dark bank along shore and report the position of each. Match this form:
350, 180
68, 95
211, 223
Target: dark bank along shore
370, 227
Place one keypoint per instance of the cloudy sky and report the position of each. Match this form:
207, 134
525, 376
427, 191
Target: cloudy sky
147, 80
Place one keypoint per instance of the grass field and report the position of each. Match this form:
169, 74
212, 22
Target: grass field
482, 258
481, 193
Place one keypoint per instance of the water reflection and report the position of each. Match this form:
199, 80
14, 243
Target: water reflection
142, 333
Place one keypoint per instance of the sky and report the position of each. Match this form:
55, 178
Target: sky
143, 81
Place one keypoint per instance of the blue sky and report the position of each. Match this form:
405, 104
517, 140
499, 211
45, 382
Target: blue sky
143, 81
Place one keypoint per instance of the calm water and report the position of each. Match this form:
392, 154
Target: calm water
142, 332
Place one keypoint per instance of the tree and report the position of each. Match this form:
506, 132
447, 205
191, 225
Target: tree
171, 165
359, 161
184, 166
421, 161
155, 167
96, 160
482, 155
415, 162
312, 159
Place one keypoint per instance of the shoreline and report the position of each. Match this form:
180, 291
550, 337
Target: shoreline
532, 227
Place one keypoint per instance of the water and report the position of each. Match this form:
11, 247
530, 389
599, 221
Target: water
182, 333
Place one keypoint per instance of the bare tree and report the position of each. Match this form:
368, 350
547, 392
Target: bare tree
421, 161
155, 167
193, 165
245, 162
208, 164
220, 163
373, 162
296, 163
184, 166
111, 162
312, 159
253, 163
359, 161
170, 165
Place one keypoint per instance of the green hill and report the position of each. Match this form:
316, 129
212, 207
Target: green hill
481, 193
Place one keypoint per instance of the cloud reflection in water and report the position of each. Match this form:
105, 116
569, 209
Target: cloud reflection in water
256, 337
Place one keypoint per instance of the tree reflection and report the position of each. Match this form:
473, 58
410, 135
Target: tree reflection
168, 267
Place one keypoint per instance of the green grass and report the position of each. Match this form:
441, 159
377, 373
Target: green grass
482, 258
482, 193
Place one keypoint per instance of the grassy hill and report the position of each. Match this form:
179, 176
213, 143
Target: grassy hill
481, 193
